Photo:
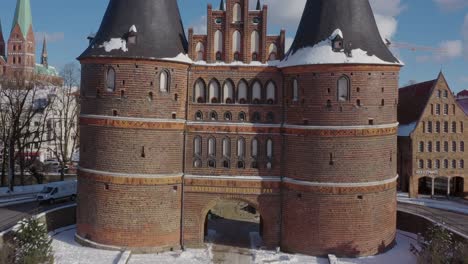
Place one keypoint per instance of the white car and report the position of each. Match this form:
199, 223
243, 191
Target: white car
58, 191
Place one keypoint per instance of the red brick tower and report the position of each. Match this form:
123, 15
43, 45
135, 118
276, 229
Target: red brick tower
341, 86
132, 126
21, 50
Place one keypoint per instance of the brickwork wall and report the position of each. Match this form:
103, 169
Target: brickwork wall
317, 85
136, 79
129, 215
21, 52
120, 150
345, 225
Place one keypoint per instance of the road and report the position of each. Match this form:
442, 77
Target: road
10, 215
456, 221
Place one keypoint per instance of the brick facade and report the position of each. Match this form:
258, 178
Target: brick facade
433, 154
152, 167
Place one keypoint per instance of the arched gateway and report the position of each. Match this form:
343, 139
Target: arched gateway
289, 144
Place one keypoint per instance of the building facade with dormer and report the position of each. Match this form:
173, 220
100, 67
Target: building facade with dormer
431, 140
170, 127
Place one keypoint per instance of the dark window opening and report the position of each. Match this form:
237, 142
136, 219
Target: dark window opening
371, 122
212, 164
143, 154
115, 113
199, 116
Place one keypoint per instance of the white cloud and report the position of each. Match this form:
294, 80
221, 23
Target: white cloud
199, 27
288, 43
450, 5
50, 36
447, 50
465, 36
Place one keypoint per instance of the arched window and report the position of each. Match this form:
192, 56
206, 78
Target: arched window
242, 117
228, 116
454, 164
197, 163
462, 146
200, 92
421, 146
437, 109
214, 92
429, 146
446, 164
429, 127
241, 148
437, 164
226, 148
454, 146
213, 116
255, 44
437, 127
429, 164
462, 164
236, 44
110, 79
228, 92
199, 116
164, 81
200, 50
270, 117
212, 147
256, 93
236, 13
421, 164
454, 127
271, 93
218, 44
256, 117
343, 89
272, 51
242, 92
295, 90
254, 149
446, 109
197, 143
446, 127
269, 149
438, 146
446, 146
461, 127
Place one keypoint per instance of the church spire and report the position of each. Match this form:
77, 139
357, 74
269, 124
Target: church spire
44, 55
221, 6
2, 42
259, 6
23, 16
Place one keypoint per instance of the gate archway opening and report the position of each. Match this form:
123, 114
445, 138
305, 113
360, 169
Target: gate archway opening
441, 186
457, 187
425, 186
233, 223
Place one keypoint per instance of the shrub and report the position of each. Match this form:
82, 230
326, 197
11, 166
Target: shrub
32, 242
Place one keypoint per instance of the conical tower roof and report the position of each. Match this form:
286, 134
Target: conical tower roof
353, 20
23, 16
156, 24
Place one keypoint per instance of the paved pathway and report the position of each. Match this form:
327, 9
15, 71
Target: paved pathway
10, 215
456, 221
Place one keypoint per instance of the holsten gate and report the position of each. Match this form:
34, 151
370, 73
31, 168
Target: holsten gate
170, 127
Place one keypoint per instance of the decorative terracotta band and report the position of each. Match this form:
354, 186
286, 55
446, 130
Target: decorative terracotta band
194, 127
340, 188
132, 123
129, 180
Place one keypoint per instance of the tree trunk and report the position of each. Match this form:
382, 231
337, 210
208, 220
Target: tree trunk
11, 165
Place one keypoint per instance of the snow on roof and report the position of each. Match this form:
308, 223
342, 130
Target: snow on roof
133, 29
322, 53
115, 44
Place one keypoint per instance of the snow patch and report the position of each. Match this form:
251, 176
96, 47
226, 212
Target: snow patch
405, 130
322, 53
181, 57
115, 44
133, 29
240, 63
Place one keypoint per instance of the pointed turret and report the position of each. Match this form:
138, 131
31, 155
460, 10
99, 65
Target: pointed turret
44, 56
23, 16
2, 42
221, 5
259, 6
337, 31
145, 29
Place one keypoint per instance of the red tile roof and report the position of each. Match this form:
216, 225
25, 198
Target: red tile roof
413, 100
463, 93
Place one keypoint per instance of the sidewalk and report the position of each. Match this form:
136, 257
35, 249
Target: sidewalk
446, 205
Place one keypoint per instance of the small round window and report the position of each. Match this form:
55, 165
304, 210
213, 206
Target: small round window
218, 20
256, 20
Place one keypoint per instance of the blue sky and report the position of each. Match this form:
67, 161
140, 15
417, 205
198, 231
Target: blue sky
437, 29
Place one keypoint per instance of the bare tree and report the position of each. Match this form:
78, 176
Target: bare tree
65, 107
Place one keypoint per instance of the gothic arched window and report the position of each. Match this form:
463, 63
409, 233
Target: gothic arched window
110, 79
343, 89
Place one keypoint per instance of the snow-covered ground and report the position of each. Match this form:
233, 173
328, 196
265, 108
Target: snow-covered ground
67, 251
437, 204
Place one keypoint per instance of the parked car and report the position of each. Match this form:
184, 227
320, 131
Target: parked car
58, 191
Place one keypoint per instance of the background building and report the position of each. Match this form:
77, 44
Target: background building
289, 134
18, 55
431, 140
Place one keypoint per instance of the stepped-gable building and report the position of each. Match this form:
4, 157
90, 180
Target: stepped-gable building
431, 140
18, 55
170, 127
